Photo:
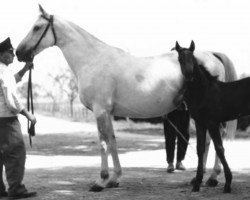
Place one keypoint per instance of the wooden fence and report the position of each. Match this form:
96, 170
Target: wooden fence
62, 110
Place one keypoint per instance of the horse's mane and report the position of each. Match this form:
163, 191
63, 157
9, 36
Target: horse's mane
208, 75
204, 70
82, 31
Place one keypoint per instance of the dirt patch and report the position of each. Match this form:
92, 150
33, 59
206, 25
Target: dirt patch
137, 183
140, 183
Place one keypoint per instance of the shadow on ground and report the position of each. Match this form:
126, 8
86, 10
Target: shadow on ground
85, 144
136, 183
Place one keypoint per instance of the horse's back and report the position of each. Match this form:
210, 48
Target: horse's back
211, 63
140, 87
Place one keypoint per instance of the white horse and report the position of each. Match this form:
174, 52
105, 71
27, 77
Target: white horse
113, 82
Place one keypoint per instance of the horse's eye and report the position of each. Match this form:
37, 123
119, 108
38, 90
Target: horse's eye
36, 28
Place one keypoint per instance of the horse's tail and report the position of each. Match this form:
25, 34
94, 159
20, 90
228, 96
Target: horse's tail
230, 75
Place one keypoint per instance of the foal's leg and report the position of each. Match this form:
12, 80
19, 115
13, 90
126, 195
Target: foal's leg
216, 137
212, 181
207, 145
107, 140
2, 186
201, 137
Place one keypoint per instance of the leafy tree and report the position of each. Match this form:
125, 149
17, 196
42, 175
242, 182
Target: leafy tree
23, 90
65, 83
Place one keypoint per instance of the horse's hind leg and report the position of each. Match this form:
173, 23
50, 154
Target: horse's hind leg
213, 181
2, 186
216, 137
207, 145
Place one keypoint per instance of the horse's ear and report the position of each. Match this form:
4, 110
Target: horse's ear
177, 46
192, 46
43, 12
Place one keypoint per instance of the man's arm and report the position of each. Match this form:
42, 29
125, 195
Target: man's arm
11, 100
20, 74
29, 116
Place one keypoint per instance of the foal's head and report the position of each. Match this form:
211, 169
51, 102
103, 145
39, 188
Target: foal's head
187, 60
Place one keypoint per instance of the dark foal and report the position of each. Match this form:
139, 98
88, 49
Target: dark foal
211, 102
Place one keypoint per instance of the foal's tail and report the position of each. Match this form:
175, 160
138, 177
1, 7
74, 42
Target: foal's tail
230, 75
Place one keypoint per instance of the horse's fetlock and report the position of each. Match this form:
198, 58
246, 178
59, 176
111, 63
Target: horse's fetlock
104, 174
217, 170
118, 172
196, 188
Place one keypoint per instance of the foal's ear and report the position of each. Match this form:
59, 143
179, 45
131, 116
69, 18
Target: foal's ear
43, 12
177, 46
192, 46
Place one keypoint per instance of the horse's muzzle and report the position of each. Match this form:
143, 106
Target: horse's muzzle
24, 56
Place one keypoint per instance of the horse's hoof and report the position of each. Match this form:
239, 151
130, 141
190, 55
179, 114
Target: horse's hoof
212, 182
193, 181
196, 188
227, 189
112, 184
96, 188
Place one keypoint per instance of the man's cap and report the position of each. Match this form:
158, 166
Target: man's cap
6, 45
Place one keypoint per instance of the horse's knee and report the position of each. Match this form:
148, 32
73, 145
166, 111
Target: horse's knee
217, 169
200, 153
220, 150
104, 146
102, 122
118, 172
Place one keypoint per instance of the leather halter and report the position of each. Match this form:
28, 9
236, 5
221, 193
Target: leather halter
31, 129
50, 23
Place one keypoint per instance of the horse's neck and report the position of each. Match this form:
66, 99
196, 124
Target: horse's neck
78, 46
197, 88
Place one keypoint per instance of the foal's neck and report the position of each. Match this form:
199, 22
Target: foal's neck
197, 89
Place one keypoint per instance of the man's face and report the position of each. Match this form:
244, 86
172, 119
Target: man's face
7, 57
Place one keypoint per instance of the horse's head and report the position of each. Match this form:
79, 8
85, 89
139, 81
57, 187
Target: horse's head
41, 36
186, 59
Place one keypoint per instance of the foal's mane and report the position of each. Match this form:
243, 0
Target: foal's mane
207, 73
203, 69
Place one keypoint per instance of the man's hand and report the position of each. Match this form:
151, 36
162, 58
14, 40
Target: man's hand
29, 116
32, 119
28, 65
20, 74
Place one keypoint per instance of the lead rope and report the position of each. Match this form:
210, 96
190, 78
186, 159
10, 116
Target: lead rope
176, 129
31, 128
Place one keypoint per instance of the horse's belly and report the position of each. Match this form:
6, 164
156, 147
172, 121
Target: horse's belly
139, 104
144, 110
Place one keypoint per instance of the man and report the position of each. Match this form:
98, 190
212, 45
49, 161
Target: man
12, 148
180, 118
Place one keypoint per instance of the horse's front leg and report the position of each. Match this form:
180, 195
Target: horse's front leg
201, 137
107, 142
216, 137
212, 181
117, 172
